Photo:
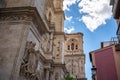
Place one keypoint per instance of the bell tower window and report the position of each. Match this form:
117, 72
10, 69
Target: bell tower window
76, 46
72, 46
68, 47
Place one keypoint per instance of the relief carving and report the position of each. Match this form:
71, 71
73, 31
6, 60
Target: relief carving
46, 42
30, 61
58, 49
15, 17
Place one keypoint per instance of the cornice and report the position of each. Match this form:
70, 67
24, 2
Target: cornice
25, 14
79, 33
69, 55
59, 33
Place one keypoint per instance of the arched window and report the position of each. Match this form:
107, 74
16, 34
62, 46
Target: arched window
72, 46
76, 47
68, 47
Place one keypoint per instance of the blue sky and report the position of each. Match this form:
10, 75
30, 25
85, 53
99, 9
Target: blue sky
94, 19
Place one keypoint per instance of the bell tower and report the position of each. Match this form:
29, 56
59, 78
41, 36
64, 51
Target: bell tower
74, 55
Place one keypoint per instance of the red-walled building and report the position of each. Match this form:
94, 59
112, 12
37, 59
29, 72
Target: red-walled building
107, 63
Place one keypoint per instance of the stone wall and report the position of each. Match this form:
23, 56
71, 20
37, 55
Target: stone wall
2, 3
12, 35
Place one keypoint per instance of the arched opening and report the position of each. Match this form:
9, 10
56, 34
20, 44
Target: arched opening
76, 47
68, 47
72, 45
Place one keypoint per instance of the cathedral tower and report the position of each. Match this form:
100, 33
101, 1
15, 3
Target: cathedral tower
74, 55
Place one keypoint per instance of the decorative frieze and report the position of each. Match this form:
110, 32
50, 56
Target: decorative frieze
15, 17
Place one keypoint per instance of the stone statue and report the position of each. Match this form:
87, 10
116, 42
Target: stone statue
29, 63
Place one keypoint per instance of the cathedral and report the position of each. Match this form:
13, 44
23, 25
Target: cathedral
33, 43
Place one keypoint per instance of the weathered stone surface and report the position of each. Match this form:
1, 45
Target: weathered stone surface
11, 35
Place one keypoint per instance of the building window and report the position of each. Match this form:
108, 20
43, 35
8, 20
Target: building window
72, 46
68, 47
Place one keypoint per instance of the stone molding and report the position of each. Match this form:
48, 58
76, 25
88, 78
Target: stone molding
59, 33
15, 18
75, 55
79, 33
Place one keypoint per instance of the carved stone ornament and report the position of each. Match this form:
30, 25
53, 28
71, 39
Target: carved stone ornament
23, 14
58, 49
30, 61
15, 18
46, 43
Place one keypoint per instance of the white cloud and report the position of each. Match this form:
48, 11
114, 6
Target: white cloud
68, 18
68, 3
95, 12
69, 30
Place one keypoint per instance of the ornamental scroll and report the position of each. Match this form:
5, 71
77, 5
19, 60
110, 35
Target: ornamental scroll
30, 61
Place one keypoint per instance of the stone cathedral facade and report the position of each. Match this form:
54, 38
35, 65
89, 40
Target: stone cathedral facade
74, 55
32, 40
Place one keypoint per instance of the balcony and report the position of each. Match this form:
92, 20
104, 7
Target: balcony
117, 47
116, 41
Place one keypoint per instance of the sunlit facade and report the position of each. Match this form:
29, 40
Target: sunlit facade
74, 55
